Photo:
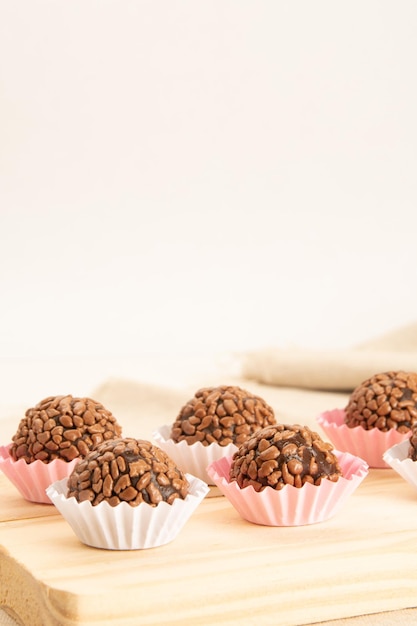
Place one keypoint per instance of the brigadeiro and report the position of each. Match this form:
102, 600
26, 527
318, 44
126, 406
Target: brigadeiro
284, 455
287, 475
212, 424
51, 438
127, 470
62, 427
384, 401
223, 415
379, 414
127, 494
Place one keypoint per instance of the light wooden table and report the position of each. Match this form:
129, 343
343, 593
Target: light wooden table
357, 568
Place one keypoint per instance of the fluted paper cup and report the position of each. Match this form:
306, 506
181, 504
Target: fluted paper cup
192, 458
370, 445
291, 506
32, 479
126, 527
397, 458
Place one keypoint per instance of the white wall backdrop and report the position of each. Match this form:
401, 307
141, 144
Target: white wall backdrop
205, 175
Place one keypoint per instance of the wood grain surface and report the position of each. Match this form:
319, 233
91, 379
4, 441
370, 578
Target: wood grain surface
220, 569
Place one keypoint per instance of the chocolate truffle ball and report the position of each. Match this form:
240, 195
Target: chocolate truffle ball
384, 401
284, 455
223, 415
127, 470
62, 427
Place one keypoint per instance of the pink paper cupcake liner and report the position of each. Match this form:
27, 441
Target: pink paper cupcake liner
32, 479
397, 458
126, 527
291, 506
192, 458
370, 445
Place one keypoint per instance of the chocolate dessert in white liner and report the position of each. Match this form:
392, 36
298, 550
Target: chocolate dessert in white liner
127, 494
127, 470
212, 424
223, 415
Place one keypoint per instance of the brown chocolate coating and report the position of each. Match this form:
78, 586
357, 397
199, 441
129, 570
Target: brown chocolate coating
384, 401
284, 455
62, 427
127, 470
223, 415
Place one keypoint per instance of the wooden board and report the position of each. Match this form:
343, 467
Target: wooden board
219, 570
15, 507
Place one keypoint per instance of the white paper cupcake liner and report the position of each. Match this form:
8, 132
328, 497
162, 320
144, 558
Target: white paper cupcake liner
397, 458
291, 506
32, 479
370, 445
126, 527
192, 458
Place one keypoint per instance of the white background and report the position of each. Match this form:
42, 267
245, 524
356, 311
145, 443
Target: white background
197, 177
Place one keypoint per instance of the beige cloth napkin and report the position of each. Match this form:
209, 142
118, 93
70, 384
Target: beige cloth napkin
340, 370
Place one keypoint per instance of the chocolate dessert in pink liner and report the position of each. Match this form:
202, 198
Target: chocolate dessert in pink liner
287, 475
50, 440
380, 413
